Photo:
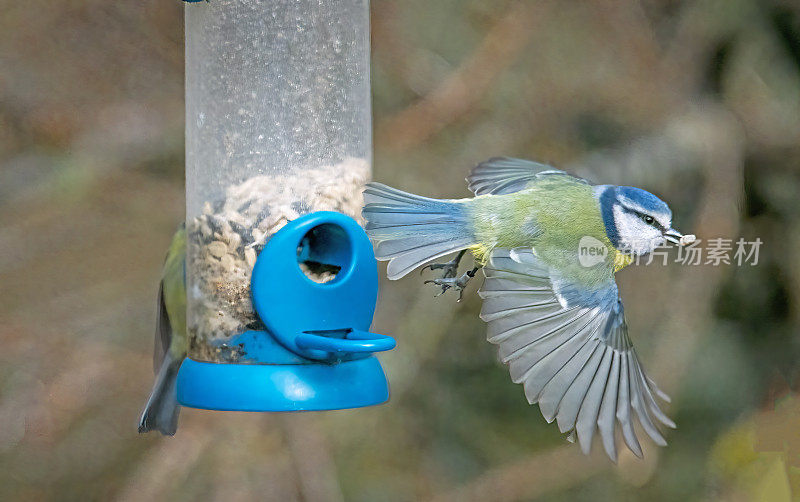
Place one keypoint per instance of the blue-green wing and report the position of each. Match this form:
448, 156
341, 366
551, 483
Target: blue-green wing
163, 330
570, 349
502, 175
161, 410
171, 320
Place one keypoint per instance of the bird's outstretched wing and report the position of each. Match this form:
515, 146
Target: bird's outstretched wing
569, 347
502, 175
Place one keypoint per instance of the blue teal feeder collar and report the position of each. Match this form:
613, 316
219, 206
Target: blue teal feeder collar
317, 351
329, 318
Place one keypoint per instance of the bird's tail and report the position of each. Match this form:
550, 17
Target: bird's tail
161, 411
410, 230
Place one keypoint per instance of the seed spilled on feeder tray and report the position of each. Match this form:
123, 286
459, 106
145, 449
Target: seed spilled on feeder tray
225, 240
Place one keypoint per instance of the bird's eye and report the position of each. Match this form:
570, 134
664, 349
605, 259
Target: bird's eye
649, 220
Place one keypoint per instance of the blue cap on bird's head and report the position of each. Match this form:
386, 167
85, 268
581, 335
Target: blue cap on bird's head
636, 220
643, 201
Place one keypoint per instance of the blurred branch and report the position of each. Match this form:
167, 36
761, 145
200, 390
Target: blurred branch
531, 477
316, 471
718, 137
164, 467
458, 93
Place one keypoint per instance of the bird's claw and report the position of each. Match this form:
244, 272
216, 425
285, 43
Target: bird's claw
457, 283
450, 268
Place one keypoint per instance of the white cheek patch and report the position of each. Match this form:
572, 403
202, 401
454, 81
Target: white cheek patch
635, 236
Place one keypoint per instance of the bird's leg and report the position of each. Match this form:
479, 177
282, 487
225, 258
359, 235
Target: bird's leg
457, 283
450, 268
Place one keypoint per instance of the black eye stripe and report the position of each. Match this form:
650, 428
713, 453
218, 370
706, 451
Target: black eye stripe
653, 223
642, 216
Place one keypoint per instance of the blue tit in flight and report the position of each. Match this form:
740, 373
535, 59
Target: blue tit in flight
161, 411
549, 244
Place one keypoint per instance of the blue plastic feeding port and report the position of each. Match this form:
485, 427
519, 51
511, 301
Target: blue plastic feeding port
317, 352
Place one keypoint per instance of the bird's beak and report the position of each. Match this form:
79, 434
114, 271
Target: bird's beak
673, 236
676, 237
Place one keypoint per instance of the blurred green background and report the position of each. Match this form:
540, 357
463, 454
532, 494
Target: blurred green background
696, 101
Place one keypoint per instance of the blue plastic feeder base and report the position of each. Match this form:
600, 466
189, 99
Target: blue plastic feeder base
282, 387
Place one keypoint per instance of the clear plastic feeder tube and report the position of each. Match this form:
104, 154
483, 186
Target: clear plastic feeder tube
278, 124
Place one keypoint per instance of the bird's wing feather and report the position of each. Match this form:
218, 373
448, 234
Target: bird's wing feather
171, 318
163, 336
502, 175
569, 347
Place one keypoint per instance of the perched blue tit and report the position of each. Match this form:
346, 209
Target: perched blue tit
549, 244
161, 411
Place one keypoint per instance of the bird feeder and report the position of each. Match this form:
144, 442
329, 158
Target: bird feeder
281, 279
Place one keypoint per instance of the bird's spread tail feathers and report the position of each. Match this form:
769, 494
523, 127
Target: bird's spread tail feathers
161, 411
411, 230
